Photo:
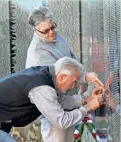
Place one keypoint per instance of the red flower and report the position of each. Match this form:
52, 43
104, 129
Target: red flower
85, 119
76, 136
94, 135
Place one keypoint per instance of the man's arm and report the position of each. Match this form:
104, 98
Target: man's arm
46, 100
70, 102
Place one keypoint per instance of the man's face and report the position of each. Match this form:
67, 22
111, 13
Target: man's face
65, 82
46, 29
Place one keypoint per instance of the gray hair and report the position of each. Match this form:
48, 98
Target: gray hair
38, 15
67, 65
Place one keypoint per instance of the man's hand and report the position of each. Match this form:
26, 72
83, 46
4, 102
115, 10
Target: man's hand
95, 100
92, 78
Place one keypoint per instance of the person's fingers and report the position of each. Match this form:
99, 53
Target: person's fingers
100, 97
92, 78
98, 86
95, 74
97, 104
98, 83
101, 101
97, 91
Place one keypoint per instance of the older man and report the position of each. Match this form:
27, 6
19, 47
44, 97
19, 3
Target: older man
35, 90
45, 49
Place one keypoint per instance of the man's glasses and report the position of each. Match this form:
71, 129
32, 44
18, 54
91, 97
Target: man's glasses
47, 30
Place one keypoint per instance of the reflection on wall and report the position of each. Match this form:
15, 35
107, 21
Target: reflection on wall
101, 54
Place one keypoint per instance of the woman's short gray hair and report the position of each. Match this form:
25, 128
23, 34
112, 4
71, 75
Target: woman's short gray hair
39, 14
67, 65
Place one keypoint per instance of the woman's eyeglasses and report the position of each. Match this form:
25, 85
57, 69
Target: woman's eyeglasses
47, 30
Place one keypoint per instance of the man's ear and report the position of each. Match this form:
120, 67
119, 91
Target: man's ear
61, 77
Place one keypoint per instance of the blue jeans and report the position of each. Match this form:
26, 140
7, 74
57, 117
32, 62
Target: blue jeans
5, 137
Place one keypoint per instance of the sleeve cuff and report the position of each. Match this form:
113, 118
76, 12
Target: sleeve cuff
83, 110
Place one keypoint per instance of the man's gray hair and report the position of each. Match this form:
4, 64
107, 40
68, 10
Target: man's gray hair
38, 15
67, 65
